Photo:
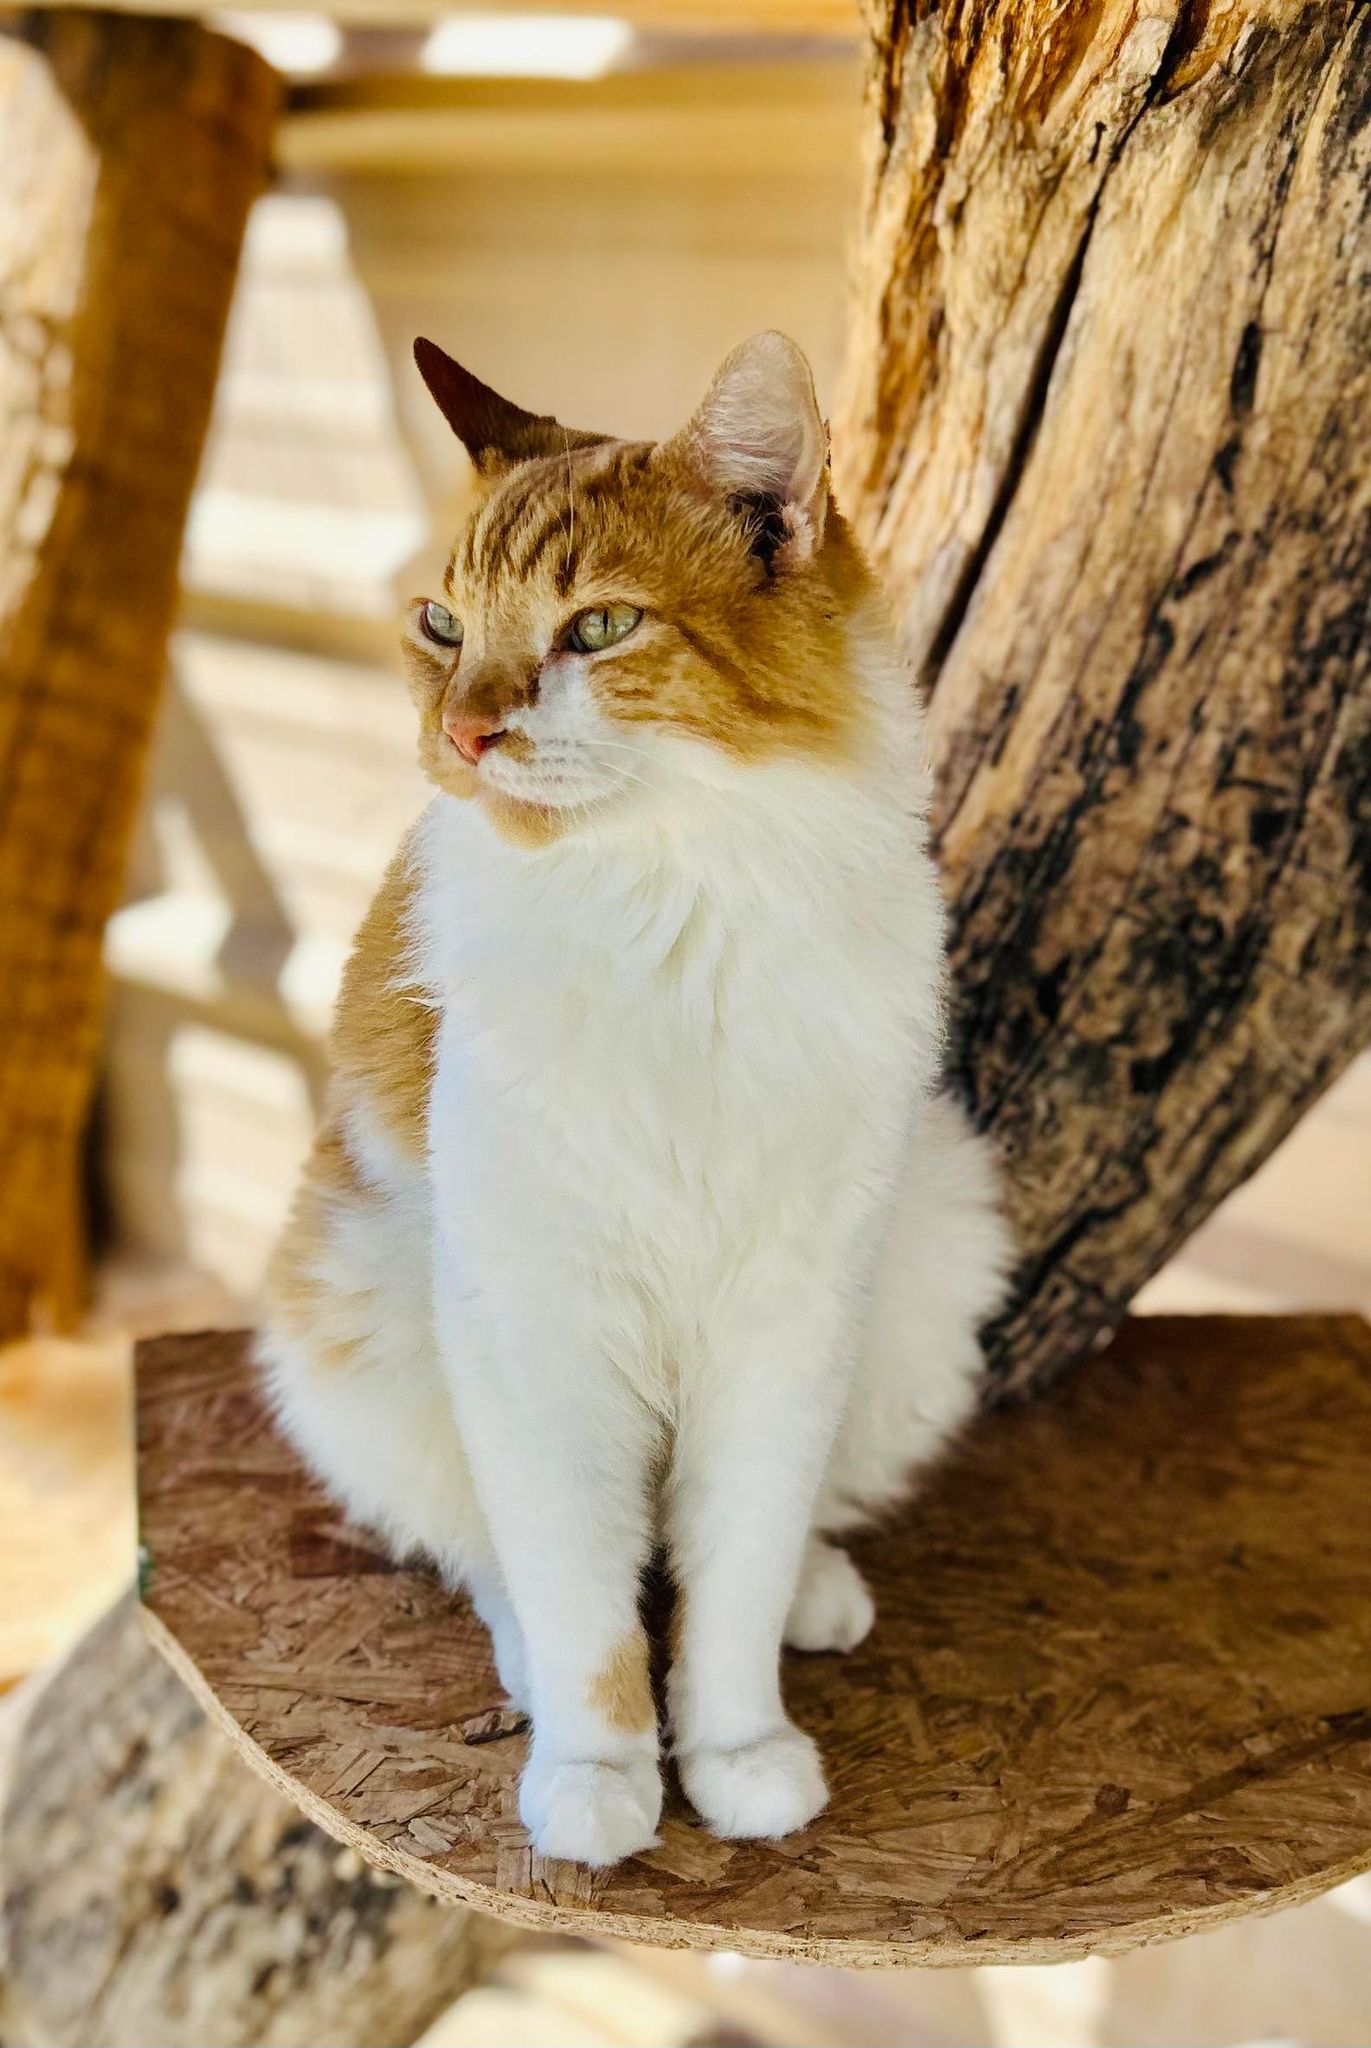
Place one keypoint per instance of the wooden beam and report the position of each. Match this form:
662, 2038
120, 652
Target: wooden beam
132, 151
720, 120
1106, 435
720, 17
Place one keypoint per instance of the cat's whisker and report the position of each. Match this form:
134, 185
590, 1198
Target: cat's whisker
624, 774
618, 747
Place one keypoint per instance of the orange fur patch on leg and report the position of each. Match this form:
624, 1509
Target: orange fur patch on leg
622, 1691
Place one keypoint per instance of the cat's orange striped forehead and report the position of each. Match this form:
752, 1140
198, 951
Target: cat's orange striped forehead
525, 524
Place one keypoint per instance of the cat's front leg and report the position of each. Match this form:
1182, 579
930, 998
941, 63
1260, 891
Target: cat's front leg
752, 1443
560, 1450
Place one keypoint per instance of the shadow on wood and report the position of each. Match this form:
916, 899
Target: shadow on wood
1120, 1687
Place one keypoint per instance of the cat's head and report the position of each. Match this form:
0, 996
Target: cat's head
618, 616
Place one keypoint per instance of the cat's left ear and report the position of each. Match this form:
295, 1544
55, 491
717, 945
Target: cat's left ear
759, 437
496, 433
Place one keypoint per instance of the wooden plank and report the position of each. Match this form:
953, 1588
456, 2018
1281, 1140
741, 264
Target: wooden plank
1119, 1689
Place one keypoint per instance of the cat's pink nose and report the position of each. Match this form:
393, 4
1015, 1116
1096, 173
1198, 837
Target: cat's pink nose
471, 736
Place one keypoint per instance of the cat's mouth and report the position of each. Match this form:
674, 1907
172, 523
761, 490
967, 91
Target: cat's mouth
551, 780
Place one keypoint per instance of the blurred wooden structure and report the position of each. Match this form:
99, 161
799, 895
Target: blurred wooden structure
132, 151
839, 18
67, 1514
200, 1907
683, 122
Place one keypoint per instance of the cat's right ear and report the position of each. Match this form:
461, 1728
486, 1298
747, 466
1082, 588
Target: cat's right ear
496, 434
760, 439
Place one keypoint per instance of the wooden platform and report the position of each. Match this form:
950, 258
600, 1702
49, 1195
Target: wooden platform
1120, 1687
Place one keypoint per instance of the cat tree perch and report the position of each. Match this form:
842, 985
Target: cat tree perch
1117, 1690
1104, 431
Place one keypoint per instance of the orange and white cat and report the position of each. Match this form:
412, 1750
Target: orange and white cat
636, 1220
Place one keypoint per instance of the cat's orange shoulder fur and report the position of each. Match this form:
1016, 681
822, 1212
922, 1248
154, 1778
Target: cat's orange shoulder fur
381, 1056
381, 1047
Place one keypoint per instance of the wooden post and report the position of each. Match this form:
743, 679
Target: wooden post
1105, 430
132, 150
154, 1891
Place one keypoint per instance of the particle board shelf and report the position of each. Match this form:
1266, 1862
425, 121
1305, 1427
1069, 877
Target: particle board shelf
1119, 1689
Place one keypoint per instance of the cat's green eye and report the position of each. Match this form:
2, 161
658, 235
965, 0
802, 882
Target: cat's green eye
441, 625
601, 626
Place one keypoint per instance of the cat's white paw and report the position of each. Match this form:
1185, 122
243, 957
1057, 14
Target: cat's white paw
768, 1788
832, 1609
591, 1813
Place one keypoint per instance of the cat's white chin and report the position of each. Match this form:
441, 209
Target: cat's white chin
542, 791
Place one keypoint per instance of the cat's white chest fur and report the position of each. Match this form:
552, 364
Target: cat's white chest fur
664, 1064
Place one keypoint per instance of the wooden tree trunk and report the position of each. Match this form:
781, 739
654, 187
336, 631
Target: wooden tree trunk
132, 149
156, 1892
1106, 432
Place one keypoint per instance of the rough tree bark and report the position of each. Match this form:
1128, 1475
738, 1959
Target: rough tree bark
154, 1891
1105, 430
132, 149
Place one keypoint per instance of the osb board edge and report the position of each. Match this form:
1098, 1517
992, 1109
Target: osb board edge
667, 1932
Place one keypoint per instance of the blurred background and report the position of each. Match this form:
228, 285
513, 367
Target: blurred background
589, 215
